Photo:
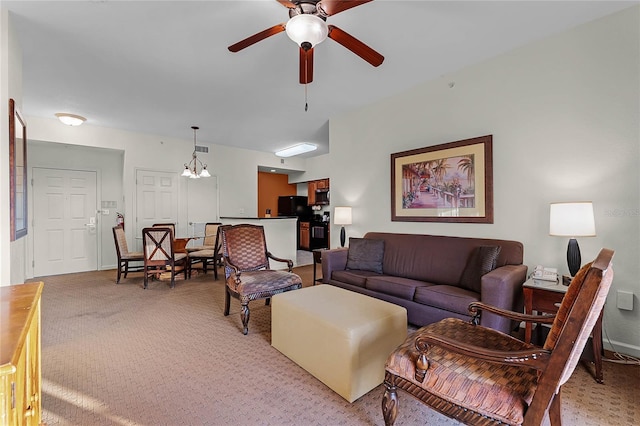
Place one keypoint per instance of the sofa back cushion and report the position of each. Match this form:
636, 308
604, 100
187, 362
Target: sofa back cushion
482, 260
365, 254
438, 259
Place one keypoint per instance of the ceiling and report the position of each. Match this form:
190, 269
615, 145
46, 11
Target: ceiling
159, 67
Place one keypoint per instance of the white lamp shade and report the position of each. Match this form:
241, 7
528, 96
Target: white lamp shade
572, 219
342, 216
205, 172
307, 28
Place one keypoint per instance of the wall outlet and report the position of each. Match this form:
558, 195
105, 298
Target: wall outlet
625, 300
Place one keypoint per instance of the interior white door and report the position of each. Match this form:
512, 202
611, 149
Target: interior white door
156, 200
65, 238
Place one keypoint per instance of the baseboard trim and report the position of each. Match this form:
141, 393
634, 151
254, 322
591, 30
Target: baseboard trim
623, 348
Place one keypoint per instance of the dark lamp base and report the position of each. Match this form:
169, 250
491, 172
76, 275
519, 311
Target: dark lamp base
343, 237
573, 257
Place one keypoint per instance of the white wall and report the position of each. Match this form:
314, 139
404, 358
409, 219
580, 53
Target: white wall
12, 254
563, 113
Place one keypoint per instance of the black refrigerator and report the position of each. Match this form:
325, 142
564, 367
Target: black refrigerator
294, 205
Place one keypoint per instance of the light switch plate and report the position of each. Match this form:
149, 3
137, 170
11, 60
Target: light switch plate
625, 300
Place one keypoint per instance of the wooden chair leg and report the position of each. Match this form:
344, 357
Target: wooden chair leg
227, 300
119, 269
245, 318
389, 404
554, 410
146, 278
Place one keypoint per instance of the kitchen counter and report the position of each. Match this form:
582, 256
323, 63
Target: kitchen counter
280, 233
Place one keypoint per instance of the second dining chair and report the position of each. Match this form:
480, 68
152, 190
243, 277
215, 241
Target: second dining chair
124, 255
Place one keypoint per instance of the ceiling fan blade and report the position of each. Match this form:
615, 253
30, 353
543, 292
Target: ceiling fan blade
287, 4
256, 38
355, 45
306, 66
331, 7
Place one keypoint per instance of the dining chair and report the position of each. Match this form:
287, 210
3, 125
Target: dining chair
247, 271
481, 376
209, 253
159, 254
124, 255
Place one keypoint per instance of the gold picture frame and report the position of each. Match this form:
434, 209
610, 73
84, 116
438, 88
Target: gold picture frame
451, 182
17, 172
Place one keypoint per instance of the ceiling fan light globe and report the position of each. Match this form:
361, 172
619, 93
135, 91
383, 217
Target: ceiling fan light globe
307, 28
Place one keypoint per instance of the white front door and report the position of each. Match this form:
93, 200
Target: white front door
156, 200
65, 236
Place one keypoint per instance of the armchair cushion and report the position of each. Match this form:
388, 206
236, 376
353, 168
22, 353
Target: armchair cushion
264, 283
498, 391
365, 254
481, 261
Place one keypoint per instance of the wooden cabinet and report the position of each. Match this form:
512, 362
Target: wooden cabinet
311, 189
322, 184
305, 235
20, 394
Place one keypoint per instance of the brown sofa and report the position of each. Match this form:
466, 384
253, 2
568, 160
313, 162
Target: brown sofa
434, 277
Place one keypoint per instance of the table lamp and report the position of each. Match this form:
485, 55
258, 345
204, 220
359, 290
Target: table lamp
342, 216
572, 220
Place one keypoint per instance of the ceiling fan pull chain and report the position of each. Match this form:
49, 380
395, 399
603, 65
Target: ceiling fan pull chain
306, 105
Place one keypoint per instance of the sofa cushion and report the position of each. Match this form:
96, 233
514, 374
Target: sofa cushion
404, 288
447, 297
353, 277
481, 261
365, 254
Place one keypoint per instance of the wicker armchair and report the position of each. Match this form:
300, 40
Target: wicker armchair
480, 376
247, 272
124, 255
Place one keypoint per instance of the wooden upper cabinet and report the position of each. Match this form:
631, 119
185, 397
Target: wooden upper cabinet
322, 184
312, 185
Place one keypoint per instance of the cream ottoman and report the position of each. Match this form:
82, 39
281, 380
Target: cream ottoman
341, 337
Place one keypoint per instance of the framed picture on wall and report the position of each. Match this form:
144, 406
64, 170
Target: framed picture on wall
451, 182
17, 172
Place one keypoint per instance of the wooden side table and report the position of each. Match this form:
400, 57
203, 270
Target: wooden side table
545, 297
317, 259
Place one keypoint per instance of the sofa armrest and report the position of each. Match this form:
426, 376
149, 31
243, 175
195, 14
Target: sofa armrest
502, 288
333, 260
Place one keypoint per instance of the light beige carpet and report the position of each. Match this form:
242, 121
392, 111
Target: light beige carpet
120, 355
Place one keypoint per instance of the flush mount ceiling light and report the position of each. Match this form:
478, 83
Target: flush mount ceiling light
298, 149
70, 119
191, 168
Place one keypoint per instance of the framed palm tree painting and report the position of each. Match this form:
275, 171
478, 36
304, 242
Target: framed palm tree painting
451, 182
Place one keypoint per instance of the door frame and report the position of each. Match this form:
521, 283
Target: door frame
98, 211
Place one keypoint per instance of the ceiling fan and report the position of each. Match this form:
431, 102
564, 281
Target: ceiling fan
307, 27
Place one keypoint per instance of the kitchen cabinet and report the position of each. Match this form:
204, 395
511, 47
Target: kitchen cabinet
312, 186
305, 235
311, 189
20, 365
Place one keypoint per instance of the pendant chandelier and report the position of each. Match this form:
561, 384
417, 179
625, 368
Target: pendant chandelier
191, 168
